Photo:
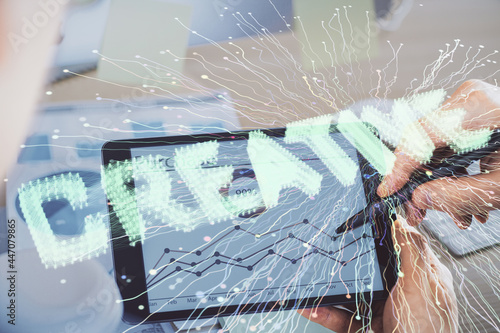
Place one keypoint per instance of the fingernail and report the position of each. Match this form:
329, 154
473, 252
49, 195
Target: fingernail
482, 218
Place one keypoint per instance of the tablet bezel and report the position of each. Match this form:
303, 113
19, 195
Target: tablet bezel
129, 263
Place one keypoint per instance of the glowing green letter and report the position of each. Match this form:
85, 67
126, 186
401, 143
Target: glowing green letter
57, 251
117, 180
205, 183
315, 133
366, 142
276, 168
448, 125
155, 197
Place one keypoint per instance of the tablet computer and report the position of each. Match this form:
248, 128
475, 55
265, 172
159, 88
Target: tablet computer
240, 222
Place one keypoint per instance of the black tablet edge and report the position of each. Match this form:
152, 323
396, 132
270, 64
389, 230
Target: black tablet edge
122, 251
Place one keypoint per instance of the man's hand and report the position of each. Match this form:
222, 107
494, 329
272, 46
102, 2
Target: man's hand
422, 300
464, 196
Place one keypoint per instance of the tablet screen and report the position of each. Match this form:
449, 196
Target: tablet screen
227, 229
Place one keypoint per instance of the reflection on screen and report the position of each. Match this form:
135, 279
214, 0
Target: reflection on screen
213, 236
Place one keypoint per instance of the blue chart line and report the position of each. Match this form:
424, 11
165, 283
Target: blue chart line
217, 258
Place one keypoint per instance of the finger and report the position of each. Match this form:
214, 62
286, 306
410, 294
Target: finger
403, 168
405, 164
414, 215
462, 196
462, 221
332, 318
439, 155
482, 102
482, 218
487, 164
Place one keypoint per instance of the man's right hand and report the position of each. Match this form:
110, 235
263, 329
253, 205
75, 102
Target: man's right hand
460, 197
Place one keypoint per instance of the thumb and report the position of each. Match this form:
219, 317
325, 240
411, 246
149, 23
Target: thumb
332, 318
423, 298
